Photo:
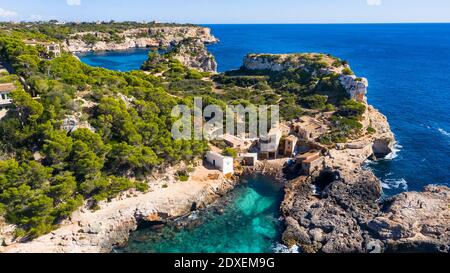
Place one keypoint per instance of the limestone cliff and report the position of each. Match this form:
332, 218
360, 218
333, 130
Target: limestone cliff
339, 210
314, 63
155, 36
193, 53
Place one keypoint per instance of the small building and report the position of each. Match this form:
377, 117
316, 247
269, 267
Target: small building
53, 49
5, 90
223, 163
248, 159
290, 144
269, 144
312, 165
311, 162
238, 143
285, 129
308, 128
5, 100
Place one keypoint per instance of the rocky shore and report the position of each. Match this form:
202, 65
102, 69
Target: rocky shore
100, 231
341, 209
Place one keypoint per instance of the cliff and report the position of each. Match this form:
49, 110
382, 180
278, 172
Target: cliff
314, 63
156, 36
100, 231
338, 209
193, 53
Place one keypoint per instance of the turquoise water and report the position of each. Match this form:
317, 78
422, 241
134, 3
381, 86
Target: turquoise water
246, 221
123, 60
408, 70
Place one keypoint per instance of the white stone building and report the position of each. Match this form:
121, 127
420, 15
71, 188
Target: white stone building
269, 145
223, 163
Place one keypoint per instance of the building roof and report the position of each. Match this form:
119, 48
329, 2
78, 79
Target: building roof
309, 123
292, 138
238, 142
7, 87
309, 155
312, 159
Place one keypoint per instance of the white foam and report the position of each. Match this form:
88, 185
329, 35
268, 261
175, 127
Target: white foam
445, 133
390, 184
394, 153
280, 248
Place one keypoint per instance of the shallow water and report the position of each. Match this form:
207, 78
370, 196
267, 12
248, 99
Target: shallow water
245, 221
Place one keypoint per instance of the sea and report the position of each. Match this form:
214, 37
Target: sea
408, 68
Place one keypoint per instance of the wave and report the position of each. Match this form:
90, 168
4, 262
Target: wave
394, 153
443, 132
280, 248
391, 184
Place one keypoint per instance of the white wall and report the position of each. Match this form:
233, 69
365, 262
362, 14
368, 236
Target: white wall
224, 163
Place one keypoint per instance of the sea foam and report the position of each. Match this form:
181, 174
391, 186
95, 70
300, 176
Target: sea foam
391, 183
443, 132
394, 153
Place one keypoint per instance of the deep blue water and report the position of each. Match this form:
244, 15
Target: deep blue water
123, 60
408, 67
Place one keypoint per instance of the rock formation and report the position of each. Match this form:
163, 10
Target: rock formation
193, 53
154, 36
316, 64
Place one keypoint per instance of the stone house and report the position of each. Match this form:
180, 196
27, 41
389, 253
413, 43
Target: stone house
248, 159
5, 90
52, 49
269, 144
290, 144
308, 128
5, 100
223, 163
311, 162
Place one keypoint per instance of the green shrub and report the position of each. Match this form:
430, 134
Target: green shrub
371, 130
315, 102
141, 186
230, 152
347, 71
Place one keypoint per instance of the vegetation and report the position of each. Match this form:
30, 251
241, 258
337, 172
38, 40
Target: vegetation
230, 152
47, 170
54, 171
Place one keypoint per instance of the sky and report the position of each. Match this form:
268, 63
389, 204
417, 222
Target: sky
229, 11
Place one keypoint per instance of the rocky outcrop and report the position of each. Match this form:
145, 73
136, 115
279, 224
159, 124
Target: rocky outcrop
316, 64
138, 38
356, 87
280, 62
73, 122
331, 220
346, 216
414, 221
193, 53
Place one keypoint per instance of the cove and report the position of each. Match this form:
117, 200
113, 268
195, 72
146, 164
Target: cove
121, 60
246, 220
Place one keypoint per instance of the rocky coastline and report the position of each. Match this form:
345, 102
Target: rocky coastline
100, 231
338, 209
156, 36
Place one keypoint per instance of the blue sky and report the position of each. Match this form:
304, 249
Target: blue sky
229, 11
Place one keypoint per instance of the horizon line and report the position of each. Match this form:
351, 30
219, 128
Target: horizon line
256, 23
